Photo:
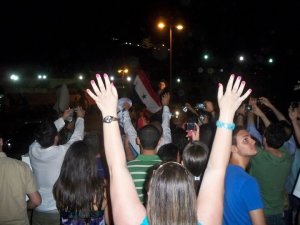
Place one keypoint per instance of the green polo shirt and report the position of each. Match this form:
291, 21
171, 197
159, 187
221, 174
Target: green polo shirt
271, 173
138, 169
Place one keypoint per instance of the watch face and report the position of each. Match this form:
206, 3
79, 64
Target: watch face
109, 119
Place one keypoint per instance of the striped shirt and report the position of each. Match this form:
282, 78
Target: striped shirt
138, 169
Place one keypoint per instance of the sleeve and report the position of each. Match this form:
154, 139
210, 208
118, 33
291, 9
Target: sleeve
59, 124
30, 182
252, 195
166, 116
130, 131
254, 132
291, 145
77, 134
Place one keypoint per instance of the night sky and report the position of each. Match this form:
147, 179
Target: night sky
64, 37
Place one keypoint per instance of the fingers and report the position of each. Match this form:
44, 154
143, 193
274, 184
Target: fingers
236, 84
91, 94
244, 96
241, 88
220, 91
107, 82
100, 84
230, 83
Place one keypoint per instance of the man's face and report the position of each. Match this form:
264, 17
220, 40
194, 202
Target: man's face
162, 85
245, 144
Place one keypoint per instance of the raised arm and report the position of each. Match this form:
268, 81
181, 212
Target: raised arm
126, 206
293, 114
210, 198
277, 113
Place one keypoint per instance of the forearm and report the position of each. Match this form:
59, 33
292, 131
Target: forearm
296, 127
265, 119
31, 205
277, 113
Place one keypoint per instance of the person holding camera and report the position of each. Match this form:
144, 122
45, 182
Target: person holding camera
46, 157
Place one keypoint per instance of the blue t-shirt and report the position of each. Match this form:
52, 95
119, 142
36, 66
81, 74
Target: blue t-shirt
242, 195
146, 222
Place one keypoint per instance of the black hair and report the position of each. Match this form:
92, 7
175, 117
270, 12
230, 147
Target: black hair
45, 134
275, 135
168, 152
149, 136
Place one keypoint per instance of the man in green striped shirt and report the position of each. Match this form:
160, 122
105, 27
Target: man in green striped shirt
148, 138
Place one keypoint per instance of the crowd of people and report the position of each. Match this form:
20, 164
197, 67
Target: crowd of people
234, 162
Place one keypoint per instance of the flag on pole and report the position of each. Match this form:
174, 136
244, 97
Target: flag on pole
146, 93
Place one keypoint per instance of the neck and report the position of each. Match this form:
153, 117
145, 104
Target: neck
273, 151
148, 151
241, 161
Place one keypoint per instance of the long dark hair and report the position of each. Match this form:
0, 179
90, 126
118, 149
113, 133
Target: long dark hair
78, 187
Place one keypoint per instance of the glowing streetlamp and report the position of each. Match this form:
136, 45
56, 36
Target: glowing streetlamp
162, 25
123, 72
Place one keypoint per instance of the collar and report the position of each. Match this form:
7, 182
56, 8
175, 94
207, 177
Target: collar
2, 155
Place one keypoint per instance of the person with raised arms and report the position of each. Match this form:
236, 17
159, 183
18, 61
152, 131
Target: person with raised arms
171, 177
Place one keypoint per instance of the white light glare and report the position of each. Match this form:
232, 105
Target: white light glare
80, 77
112, 78
178, 80
44, 77
270, 60
128, 79
177, 114
14, 77
241, 58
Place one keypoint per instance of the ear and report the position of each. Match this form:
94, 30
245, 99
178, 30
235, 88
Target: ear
234, 149
138, 141
56, 139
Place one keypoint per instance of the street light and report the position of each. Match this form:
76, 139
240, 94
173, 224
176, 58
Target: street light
162, 25
123, 72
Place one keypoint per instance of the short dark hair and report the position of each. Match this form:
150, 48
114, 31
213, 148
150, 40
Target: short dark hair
94, 141
275, 135
46, 133
149, 136
168, 152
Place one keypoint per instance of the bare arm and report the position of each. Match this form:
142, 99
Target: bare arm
210, 198
258, 217
277, 113
34, 200
293, 114
126, 206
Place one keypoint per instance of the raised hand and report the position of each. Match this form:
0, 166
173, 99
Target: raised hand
230, 101
105, 96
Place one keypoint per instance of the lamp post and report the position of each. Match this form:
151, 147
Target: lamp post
162, 25
123, 72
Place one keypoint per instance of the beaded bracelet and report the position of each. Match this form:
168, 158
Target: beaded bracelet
228, 126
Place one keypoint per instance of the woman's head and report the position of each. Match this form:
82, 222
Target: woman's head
171, 187
78, 184
194, 158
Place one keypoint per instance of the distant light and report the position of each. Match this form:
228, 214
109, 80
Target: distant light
161, 25
179, 27
205, 56
40, 77
44, 77
14, 77
80, 77
178, 80
112, 78
128, 79
163, 45
270, 60
177, 114
221, 70
241, 58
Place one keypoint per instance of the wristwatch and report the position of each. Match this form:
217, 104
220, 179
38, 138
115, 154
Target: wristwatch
109, 119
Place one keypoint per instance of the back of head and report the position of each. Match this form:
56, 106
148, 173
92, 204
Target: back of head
168, 153
179, 138
149, 136
45, 134
93, 141
275, 135
207, 134
171, 190
78, 183
194, 158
